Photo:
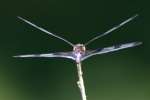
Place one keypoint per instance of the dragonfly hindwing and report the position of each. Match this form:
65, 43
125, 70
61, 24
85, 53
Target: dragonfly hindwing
68, 55
110, 49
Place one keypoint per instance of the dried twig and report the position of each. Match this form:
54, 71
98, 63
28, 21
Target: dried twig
80, 82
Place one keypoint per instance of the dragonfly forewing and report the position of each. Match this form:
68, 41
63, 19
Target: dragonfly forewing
68, 55
43, 30
111, 30
110, 49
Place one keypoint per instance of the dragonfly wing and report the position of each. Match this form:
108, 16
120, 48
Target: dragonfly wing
43, 30
112, 29
49, 55
110, 49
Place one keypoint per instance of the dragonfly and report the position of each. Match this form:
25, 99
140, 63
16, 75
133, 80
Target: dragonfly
79, 51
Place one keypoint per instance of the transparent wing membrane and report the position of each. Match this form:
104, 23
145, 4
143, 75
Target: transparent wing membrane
45, 31
49, 55
110, 49
87, 53
112, 29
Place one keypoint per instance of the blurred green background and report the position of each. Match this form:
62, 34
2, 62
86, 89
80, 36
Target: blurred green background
122, 75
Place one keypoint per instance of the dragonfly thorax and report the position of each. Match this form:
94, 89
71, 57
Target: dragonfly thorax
79, 51
79, 48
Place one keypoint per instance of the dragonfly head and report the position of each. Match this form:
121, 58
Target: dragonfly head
79, 48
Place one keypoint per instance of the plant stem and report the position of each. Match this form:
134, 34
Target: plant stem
80, 82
